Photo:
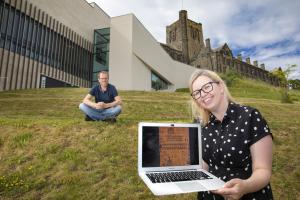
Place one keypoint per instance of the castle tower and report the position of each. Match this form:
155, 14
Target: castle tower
207, 44
184, 35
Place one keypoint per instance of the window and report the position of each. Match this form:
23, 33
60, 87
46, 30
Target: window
173, 34
4, 24
194, 33
101, 52
157, 83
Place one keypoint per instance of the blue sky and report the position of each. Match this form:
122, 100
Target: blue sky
264, 30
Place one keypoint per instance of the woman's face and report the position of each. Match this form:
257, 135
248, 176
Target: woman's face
211, 93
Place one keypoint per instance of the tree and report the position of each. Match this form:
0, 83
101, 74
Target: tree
277, 72
283, 76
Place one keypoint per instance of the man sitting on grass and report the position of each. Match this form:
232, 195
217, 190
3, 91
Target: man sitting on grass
107, 105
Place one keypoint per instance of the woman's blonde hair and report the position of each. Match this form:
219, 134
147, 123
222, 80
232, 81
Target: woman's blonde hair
198, 111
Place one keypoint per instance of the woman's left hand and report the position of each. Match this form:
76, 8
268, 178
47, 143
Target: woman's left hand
233, 189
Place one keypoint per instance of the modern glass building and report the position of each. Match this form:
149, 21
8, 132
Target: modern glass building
59, 43
37, 50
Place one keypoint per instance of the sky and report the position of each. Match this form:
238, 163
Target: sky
264, 30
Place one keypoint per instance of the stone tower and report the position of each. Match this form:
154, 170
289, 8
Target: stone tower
186, 36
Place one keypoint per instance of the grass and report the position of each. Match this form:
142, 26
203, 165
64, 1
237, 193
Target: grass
47, 151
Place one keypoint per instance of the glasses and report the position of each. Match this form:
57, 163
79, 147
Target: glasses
208, 87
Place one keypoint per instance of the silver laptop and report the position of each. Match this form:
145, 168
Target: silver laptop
170, 159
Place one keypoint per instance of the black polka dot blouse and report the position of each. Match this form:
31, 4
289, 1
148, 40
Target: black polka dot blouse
226, 147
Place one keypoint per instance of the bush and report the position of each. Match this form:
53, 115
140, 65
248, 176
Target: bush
230, 77
285, 97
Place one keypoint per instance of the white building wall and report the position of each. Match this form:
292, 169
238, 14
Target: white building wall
140, 72
136, 50
120, 52
182, 74
150, 52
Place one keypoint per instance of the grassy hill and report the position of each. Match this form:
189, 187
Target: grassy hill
47, 151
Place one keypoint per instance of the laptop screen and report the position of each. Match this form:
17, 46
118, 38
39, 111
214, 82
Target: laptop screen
169, 146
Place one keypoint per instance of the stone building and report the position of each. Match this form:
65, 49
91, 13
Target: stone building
185, 43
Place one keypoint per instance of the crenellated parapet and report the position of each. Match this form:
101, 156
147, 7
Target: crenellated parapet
253, 70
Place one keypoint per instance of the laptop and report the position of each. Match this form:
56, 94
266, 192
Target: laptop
170, 159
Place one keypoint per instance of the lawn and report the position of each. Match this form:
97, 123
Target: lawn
47, 150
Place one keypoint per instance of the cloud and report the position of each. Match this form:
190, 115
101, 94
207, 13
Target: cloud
286, 61
267, 30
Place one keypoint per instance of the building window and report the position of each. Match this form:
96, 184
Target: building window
173, 35
158, 83
101, 47
195, 33
101, 52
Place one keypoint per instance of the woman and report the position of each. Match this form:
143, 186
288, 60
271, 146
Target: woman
236, 141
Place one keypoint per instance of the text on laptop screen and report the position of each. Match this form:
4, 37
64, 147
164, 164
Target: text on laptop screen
170, 146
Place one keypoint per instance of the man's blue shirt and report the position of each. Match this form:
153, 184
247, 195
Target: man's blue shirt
107, 96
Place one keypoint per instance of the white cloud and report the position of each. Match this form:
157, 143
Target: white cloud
284, 61
263, 53
270, 29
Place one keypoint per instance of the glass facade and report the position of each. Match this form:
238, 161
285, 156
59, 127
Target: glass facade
101, 52
43, 39
158, 83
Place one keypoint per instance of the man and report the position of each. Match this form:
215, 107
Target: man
107, 105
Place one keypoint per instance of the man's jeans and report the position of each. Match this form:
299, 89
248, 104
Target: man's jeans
100, 114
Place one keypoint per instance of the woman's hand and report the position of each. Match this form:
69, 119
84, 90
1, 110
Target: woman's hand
233, 189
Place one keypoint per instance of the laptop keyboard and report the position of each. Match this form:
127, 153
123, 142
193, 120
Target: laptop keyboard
177, 176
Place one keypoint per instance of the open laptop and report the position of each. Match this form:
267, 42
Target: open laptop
170, 159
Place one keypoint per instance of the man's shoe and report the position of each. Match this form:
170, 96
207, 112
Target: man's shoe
113, 120
87, 118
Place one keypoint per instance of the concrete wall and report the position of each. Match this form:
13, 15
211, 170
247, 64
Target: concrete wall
120, 55
78, 15
134, 52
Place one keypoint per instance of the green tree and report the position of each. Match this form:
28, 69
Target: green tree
277, 72
283, 76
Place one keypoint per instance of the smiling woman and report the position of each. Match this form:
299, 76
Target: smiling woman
206, 79
236, 139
